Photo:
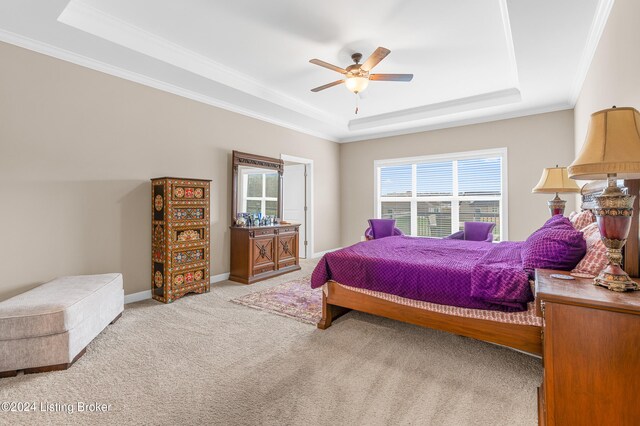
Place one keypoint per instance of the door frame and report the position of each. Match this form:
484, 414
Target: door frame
309, 200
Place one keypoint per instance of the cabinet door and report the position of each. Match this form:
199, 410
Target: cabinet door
262, 254
287, 249
591, 366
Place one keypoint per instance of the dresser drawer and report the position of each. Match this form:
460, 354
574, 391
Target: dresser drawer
263, 269
188, 191
263, 232
184, 257
187, 234
287, 263
288, 229
189, 213
186, 278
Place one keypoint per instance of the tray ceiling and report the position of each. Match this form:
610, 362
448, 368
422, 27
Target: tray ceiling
472, 60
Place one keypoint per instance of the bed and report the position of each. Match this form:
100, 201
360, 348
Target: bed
516, 327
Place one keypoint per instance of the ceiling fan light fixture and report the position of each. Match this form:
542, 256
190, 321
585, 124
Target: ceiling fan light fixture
356, 84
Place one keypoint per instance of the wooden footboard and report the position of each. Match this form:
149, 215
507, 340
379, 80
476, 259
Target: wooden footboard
337, 300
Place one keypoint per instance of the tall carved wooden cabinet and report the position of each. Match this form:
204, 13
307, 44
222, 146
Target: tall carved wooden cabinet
180, 237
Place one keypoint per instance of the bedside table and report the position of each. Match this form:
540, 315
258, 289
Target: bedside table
591, 353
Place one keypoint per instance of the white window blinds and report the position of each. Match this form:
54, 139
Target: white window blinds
434, 196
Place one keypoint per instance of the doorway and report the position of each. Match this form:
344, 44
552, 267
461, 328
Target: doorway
297, 189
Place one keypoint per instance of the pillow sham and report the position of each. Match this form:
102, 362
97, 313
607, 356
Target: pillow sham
382, 228
596, 258
582, 219
555, 221
557, 245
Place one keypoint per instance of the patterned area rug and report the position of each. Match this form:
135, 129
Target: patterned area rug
294, 299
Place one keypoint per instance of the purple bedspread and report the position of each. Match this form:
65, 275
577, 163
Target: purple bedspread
468, 274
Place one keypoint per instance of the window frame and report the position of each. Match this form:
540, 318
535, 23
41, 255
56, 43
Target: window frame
263, 200
455, 198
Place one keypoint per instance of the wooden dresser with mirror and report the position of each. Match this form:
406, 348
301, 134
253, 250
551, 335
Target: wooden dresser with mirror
262, 251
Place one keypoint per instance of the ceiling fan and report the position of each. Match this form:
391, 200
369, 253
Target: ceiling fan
356, 76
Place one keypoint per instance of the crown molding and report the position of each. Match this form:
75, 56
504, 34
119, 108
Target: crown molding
83, 61
108, 27
597, 28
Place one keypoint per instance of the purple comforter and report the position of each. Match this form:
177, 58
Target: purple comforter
449, 272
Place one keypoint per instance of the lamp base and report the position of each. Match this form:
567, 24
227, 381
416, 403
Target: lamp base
556, 205
615, 278
614, 210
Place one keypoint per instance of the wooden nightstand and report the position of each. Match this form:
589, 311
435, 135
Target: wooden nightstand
591, 353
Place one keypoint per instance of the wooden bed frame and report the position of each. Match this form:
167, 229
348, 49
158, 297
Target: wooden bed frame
337, 300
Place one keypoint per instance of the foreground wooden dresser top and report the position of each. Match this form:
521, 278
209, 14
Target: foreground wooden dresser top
591, 353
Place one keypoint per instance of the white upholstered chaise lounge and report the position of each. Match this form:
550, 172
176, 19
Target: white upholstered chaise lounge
48, 328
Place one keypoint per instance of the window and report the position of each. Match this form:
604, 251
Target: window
433, 196
262, 193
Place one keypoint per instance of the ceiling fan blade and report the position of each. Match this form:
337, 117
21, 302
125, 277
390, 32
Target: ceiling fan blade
391, 77
326, 86
328, 65
375, 58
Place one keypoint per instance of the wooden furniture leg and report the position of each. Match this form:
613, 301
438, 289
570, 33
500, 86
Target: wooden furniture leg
329, 313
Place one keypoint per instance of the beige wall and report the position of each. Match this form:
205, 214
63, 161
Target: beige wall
533, 143
614, 74
77, 149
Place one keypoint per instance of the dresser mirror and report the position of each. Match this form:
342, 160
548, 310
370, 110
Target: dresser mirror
257, 188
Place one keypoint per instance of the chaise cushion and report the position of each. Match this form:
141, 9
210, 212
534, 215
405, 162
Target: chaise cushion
57, 306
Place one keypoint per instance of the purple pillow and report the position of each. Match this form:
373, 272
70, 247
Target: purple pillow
382, 228
557, 245
557, 220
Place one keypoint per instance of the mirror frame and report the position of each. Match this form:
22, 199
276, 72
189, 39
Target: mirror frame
252, 160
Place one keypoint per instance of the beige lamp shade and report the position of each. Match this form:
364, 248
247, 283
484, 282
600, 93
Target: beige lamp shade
612, 146
555, 179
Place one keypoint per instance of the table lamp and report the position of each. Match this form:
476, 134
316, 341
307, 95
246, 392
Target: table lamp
612, 151
555, 180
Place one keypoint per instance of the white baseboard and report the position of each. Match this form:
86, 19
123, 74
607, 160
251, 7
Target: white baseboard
219, 277
144, 295
136, 297
322, 253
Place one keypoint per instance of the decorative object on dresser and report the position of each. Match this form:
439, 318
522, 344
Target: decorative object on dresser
612, 151
180, 240
263, 246
590, 350
555, 180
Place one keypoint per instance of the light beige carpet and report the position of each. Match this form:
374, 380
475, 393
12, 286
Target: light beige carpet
205, 360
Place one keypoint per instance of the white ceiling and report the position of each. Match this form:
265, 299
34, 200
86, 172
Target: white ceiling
472, 60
